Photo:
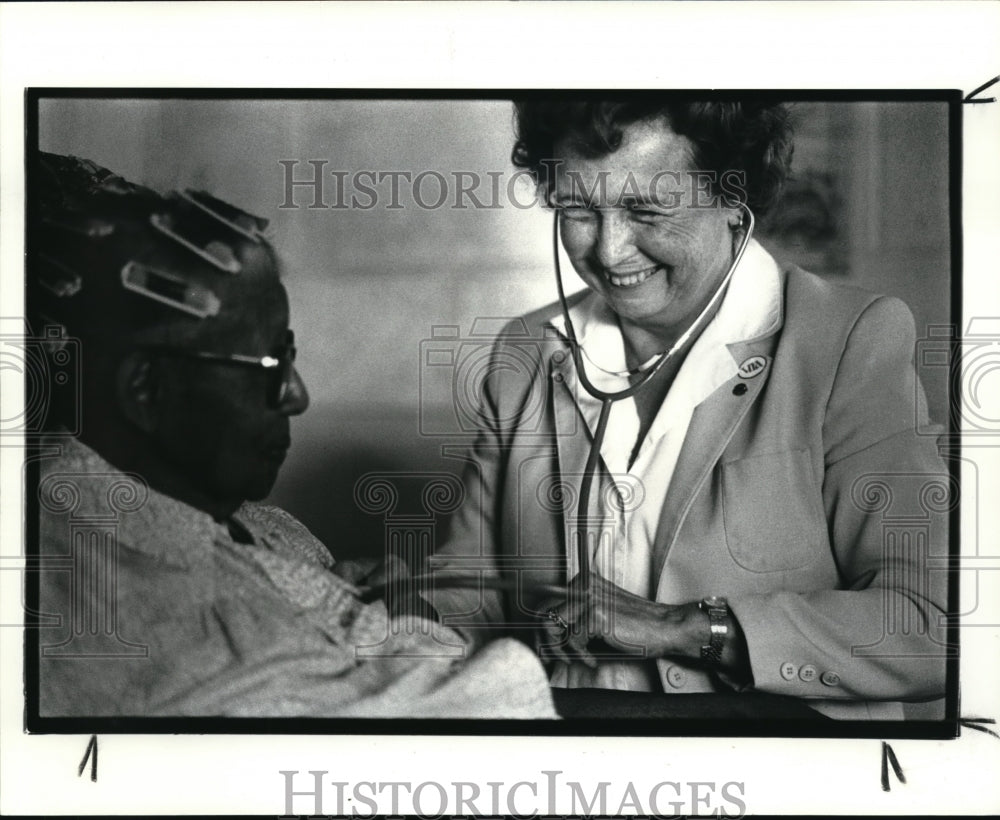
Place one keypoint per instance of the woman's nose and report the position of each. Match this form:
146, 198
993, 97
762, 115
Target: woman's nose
296, 399
614, 242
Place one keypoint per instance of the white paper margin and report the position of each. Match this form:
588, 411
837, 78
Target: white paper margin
505, 45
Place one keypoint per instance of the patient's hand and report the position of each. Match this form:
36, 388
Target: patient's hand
370, 572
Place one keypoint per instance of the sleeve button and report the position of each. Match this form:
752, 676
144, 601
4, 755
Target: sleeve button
830, 679
808, 673
789, 670
676, 677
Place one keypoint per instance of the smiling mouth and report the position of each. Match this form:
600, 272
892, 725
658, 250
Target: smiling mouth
631, 279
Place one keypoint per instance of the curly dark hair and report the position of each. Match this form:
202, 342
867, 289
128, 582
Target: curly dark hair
754, 138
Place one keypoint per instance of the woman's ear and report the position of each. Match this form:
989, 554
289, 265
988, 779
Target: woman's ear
137, 387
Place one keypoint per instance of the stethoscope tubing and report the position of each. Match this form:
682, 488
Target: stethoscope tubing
608, 398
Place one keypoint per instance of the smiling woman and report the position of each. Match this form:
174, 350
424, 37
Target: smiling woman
655, 266
729, 410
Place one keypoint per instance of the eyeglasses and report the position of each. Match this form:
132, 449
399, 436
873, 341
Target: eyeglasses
280, 369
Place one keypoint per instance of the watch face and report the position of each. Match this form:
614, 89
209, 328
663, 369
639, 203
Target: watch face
715, 600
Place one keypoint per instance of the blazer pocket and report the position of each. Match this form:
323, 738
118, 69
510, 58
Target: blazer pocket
773, 512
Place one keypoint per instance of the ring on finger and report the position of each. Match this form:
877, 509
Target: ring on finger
557, 619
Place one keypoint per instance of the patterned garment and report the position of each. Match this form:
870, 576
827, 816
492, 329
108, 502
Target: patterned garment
162, 612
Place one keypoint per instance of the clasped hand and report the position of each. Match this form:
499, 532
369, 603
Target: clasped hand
600, 617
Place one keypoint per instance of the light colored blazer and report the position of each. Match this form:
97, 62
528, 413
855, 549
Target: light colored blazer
815, 502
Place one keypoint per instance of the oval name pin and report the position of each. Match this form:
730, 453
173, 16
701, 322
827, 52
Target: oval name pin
751, 367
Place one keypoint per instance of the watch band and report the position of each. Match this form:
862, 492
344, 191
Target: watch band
718, 618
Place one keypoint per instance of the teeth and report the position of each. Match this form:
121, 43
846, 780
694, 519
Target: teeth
629, 279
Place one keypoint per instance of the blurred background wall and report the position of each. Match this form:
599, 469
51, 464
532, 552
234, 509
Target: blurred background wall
868, 205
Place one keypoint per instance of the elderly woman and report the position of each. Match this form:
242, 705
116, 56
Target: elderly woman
676, 484
199, 601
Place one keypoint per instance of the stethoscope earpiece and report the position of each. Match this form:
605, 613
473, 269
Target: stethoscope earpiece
744, 212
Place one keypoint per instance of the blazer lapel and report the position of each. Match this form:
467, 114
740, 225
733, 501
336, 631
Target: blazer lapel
712, 426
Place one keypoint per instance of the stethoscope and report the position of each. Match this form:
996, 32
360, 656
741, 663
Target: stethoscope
646, 372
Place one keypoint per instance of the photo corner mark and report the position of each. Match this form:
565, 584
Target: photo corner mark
91, 755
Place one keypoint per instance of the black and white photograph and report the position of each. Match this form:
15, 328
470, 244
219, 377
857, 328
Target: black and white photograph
532, 416
477, 513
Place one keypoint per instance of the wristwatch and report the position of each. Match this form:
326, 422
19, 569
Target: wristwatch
718, 618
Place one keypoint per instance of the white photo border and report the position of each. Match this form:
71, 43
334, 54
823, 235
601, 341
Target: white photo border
445, 45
